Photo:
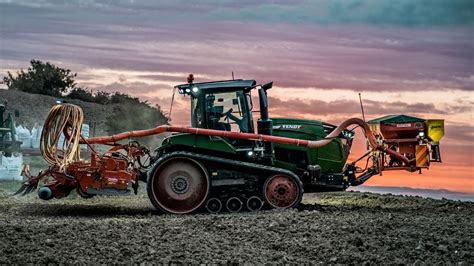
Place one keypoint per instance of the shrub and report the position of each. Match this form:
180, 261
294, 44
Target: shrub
81, 94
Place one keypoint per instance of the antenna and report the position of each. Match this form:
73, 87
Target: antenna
233, 75
171, 105
361, 106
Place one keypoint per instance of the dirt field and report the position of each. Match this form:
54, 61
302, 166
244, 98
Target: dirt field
345, 227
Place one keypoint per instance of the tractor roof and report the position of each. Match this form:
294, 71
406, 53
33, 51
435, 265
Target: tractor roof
223, 85
395, 119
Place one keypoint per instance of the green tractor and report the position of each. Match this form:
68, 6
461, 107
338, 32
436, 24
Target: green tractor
235, 174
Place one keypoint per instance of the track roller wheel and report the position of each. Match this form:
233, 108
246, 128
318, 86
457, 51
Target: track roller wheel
282, 191
83, 194
178, 186
234, 204
213, 205
254, 203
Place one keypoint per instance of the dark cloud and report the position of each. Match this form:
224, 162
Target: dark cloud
460, 134
173, 79
350, 108
172, 36
373, 12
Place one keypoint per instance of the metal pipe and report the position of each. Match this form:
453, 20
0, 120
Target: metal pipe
256, 137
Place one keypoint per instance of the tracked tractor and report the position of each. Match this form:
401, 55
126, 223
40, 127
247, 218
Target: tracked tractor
226, 161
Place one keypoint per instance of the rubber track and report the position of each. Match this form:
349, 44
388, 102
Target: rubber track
202, 157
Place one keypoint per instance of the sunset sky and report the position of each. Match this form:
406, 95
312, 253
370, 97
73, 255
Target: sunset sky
407, 56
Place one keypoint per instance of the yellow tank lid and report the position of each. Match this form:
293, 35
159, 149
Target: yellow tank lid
435, 129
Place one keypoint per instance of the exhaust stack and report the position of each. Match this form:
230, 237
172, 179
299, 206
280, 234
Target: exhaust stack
265, 124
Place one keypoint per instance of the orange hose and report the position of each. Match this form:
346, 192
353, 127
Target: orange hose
251, 136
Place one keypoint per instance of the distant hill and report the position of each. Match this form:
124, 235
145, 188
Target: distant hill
34, 108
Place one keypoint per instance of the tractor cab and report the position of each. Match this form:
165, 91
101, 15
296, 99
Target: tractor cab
227, 105
221, 105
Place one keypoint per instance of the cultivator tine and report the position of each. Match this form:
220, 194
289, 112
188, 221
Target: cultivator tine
20, 191
31, 183
29, 189
25, 188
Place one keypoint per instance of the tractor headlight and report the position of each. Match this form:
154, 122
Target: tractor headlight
421, 134
195, 89
188, 90
348, 134
250, 153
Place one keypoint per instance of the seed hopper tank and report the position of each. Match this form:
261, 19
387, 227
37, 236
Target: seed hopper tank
415, 138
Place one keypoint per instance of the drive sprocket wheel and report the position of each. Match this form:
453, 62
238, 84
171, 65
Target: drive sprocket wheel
178, 186
282, 191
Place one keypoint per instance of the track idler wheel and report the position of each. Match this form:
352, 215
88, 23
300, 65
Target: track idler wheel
178, 186
234, 204
254, 203
214, 205
282, 191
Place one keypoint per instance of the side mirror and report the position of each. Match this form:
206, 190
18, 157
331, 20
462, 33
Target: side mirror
267, 86
17, 113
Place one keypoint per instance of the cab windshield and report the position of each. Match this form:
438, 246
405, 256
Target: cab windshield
223, 111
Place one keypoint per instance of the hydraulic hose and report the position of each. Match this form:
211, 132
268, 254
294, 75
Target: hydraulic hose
64, 119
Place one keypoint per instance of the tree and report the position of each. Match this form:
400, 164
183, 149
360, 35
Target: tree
81, 94
42, 78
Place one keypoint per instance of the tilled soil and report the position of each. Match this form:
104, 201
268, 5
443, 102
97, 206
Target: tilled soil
348, 227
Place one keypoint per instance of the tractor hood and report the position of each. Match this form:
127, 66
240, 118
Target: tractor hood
332, 157
301, 126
